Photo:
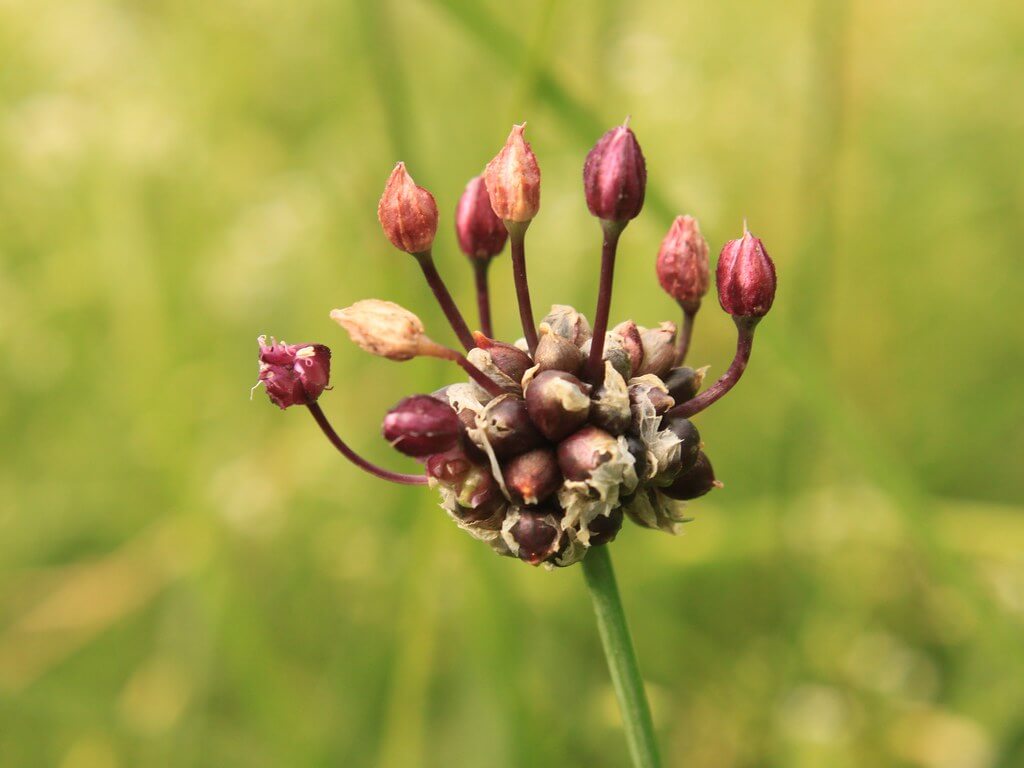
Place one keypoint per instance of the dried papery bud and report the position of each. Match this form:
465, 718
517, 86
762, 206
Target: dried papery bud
557, 353
684, 383
610, 409
659, 349
480, 232
614, 352
513, 179
615, 176
604, 528
638, 450
568, 323
694, 482
507, 426
421, 425
689, 440
532, 477
558, 403
510, 360
584, 451
384, 328
746, 278
659, 399
631, 342
537, 534
293, 374
407, 213
682, 264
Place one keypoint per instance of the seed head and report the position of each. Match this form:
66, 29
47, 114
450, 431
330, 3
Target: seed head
407, 213
746, 278
513, 179
615, 176
682, 264
480, 232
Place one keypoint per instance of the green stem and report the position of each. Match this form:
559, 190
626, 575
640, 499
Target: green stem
618, 651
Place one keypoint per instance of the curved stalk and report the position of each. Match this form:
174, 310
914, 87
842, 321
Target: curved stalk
744, 344
622, 664
355, 458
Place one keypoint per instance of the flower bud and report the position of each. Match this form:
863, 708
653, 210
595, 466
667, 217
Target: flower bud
510, 360
383, 328
684, 382
659, 349
746, 278
689, 440
604, 528
480, 232
558, 403
293, 374
615, 176
682, 264
537, 534
513, 179
694, 482
407, 213
421, 425
507, 426
584, 451
532, 477
557, 353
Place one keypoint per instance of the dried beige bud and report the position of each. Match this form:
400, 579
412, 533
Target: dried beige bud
384, 328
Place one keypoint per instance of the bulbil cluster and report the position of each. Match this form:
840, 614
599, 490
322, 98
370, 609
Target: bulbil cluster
555, 439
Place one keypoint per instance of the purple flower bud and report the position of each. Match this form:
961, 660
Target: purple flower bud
558, 403
513, 179
631, 342
480, 232
532, 477
421, 425
682, 264
746, 278
537, 535
508, 427
659, 349
694, 482
293, 374
407, 213
557, 353
615, 176
508, 359
584, 451
684, 383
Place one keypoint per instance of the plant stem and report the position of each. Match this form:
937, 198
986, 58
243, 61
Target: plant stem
609, 243
483, 296
444, 298
686, 333
744, 344
618, 651
516, 236
355, 458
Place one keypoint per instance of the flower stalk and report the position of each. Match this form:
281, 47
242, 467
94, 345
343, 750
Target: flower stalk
622, 664
744, 345
517, 236
609, 245
444, 298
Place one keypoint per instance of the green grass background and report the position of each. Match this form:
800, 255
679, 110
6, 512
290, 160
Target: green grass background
188, 578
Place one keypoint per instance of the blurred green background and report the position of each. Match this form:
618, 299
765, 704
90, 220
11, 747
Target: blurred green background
188, 578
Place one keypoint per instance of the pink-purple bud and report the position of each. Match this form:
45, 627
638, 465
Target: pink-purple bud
407, 213
480, 232
615, 176
584, 451
294, 374
421, 425
682, 265
746, 278
513, 179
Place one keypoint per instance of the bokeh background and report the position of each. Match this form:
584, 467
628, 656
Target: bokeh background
191, 578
